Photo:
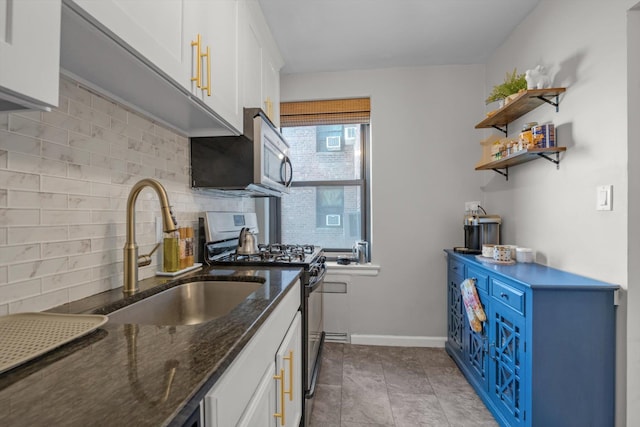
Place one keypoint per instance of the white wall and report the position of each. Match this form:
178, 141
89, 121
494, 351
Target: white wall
424, 150
553, 211
64, 180
633, 298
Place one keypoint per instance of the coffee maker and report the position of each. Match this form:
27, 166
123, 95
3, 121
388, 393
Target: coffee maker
480, 230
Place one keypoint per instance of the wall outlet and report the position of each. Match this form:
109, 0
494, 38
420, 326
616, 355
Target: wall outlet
471, 206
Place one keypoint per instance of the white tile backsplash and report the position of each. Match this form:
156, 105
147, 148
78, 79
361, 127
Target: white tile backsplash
65, 280
71, 247
37, 234
9, 217
35, 129
88, 115
18, 290
65, 177
29, 270
65, 121
10, 254
108, 107
36, 164
37, 199
65, 153
19, 143
19, 180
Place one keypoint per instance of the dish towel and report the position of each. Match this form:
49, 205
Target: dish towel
472, 304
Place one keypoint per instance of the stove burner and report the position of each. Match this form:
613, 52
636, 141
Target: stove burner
283, 251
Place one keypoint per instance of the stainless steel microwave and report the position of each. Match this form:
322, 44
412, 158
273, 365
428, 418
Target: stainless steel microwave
253, 164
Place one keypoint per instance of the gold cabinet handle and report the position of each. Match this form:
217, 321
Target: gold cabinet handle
208, 86
290, 359
198, 78
281, 413
269, 107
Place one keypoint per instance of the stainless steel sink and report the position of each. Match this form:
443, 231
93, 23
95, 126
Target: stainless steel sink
187, 304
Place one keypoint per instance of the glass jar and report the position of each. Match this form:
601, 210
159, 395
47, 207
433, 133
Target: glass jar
170, 252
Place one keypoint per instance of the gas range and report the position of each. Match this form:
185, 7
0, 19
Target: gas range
222, 230
222, 233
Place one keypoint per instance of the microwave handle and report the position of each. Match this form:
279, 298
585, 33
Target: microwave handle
283, 169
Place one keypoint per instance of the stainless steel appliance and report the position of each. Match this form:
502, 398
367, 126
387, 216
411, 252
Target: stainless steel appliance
480, 230
222, 235
256, 163
361, 252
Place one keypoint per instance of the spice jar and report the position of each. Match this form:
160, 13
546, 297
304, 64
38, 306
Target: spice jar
188, 247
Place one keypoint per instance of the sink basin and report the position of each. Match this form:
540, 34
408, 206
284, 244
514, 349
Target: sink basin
187, 304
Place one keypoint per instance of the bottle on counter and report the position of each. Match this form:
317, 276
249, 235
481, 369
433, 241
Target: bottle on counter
171, 252
188, 247
182, 243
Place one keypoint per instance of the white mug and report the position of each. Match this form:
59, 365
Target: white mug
487, 250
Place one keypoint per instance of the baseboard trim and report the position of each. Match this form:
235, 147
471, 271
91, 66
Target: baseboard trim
398, 340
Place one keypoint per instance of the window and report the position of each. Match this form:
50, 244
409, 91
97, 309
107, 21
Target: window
328, 204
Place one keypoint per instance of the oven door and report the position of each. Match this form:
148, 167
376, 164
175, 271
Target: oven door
315, 340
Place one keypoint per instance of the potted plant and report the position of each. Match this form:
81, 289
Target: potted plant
513, 83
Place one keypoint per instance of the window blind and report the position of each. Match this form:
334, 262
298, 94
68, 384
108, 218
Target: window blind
325, 112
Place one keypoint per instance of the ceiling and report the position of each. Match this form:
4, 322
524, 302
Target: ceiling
334, 35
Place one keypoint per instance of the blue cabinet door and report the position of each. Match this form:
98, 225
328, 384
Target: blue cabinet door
476, 344
507, 371
476, 349
455, 321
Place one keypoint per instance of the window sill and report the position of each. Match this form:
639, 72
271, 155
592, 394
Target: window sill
354, 269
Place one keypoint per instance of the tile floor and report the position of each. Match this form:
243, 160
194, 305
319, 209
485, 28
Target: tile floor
394, 386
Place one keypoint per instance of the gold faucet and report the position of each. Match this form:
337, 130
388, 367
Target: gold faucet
131, 259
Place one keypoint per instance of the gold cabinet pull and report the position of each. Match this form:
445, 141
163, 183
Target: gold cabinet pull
281, 413
198, 78
208, 86
290, 359
269, 107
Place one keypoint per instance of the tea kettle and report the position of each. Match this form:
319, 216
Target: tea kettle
247, 244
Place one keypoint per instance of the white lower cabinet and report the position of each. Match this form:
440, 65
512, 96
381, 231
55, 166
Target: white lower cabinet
278, 399
263, 386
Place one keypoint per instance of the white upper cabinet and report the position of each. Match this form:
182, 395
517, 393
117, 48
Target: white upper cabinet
214, 55
152, 29
198, 61
29, 54
260, 62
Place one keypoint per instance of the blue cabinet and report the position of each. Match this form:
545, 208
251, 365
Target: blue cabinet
546, 354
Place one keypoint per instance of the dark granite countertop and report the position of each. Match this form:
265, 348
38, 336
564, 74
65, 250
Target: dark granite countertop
137, 375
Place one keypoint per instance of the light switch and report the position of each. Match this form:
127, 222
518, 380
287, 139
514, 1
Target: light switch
603, 197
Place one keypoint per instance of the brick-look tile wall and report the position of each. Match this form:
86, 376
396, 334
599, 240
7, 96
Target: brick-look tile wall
65, 176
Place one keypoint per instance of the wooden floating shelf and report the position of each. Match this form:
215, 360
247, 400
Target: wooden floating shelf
522, 156
521, 105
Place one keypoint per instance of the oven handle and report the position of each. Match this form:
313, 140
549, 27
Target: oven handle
316, 370
315, 282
